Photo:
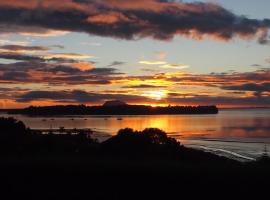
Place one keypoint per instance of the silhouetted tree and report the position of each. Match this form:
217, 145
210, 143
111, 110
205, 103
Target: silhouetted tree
13, 134
11, 127
149, 142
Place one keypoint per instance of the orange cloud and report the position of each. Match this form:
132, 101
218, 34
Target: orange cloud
130, 19
83, 65
108, 18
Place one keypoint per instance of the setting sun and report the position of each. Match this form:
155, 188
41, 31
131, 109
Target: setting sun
157, 95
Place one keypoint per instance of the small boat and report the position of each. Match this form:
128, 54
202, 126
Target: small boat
44, 120
119, 118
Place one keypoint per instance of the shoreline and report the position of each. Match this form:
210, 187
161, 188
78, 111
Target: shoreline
224, 144
101, 137
131, 164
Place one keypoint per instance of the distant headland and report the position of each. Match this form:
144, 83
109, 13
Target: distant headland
115, 108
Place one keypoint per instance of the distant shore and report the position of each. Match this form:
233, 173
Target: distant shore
115, 110
11, 110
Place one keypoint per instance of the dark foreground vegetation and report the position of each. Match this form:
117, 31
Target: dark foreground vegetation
115, 110
130, 165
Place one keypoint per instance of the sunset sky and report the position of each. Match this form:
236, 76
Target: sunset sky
155, 52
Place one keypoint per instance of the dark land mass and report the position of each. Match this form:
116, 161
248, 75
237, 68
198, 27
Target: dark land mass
6, 110
131, 165
115, 110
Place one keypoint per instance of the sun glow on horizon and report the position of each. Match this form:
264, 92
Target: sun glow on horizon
157, 94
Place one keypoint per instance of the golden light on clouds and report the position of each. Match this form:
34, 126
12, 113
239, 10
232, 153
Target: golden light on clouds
83, 65
156, 94
67, 56
149, 62
10, 42
45, 33
174, 66
164, 64
158, 82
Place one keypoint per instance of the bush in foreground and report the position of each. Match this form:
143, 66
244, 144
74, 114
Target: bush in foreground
149, 142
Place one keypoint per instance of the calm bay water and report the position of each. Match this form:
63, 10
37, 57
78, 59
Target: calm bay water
237, 133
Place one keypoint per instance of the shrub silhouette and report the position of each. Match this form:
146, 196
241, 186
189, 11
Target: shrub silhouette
12, 127
13, 134
16, 138
149, 142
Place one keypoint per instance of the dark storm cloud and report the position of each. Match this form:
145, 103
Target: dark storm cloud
6, 28
214, 100
263, 87
14, 76
221, 79
257, 88
131, 19
19, 56
103, 71
93, 71
10, 53
77, 80
38, 95
23, 48
11, 93
64, 69
22, 66
76, 96
52, 73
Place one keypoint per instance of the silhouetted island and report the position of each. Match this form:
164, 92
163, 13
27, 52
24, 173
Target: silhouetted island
115, 108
